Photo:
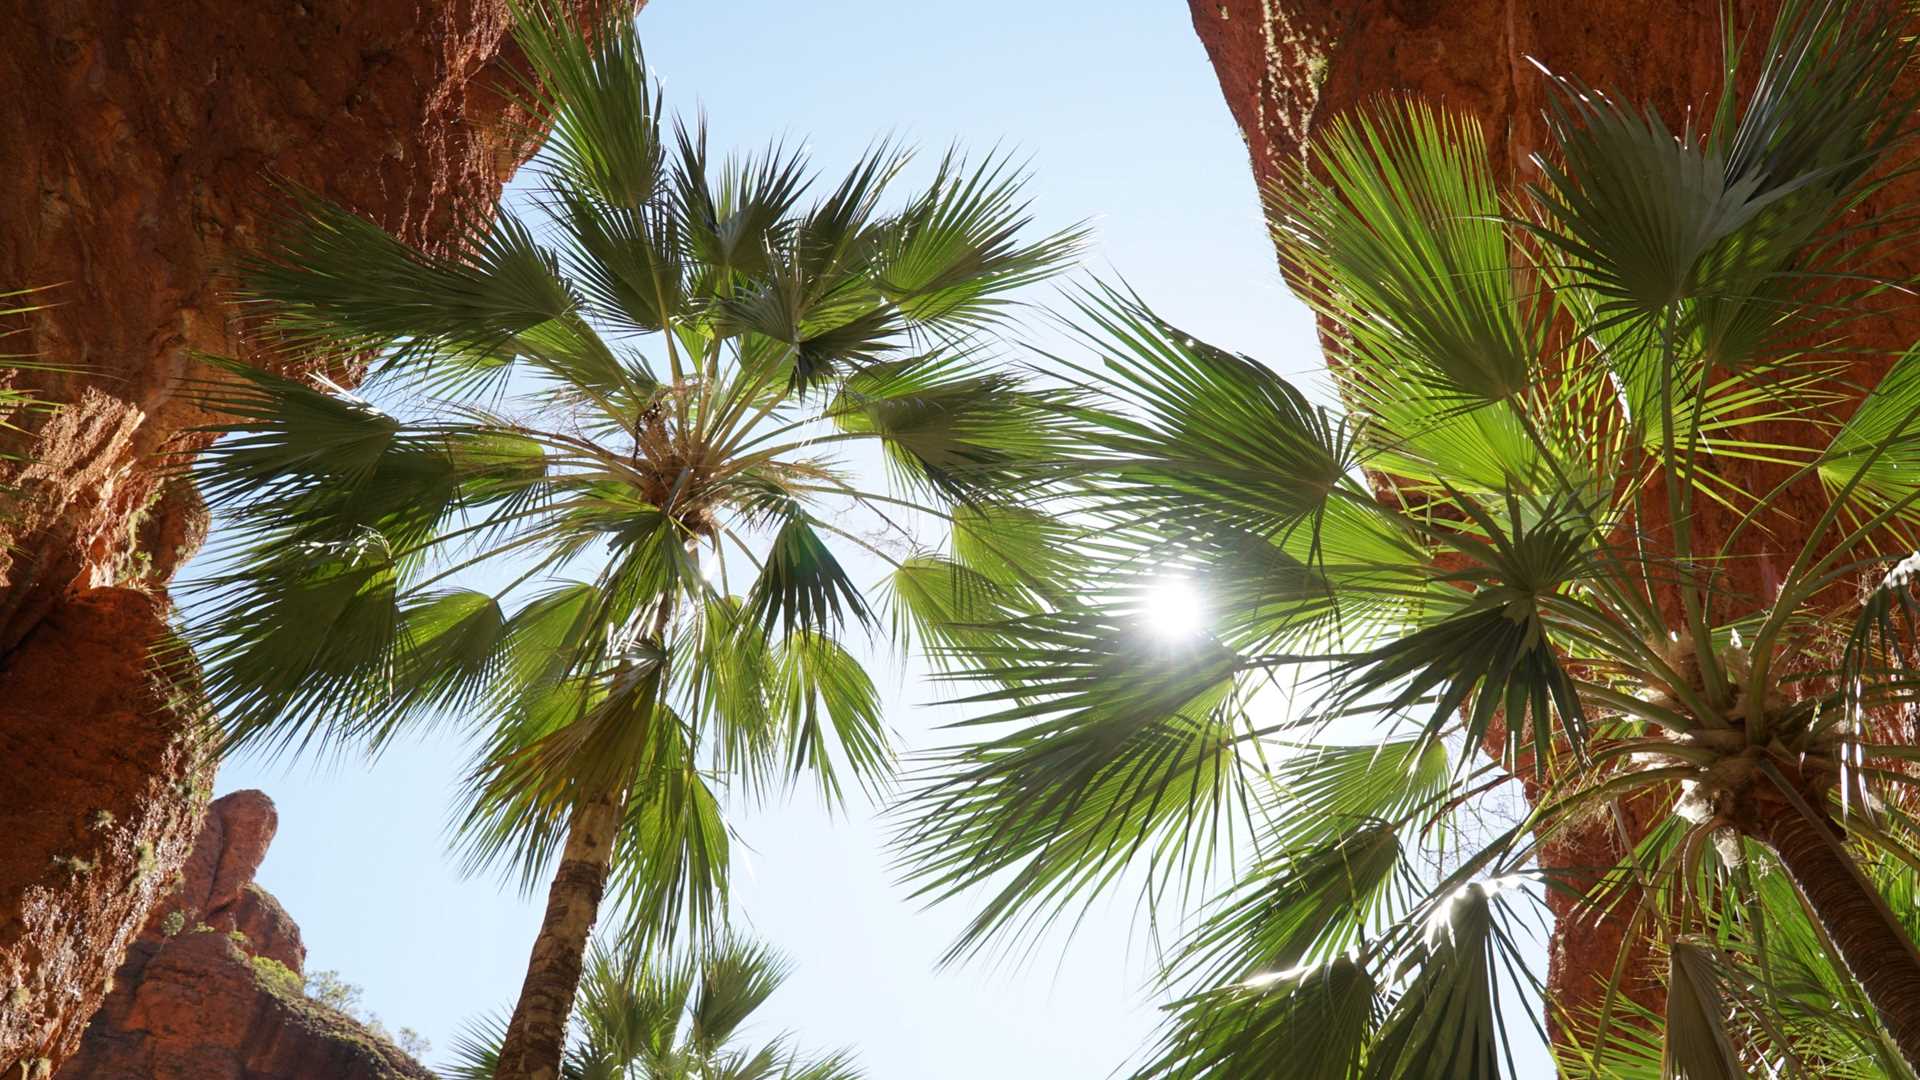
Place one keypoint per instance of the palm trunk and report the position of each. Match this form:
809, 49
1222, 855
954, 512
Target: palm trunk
537, 1034
1856, 917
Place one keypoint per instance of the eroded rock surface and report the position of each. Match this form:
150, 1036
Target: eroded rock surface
142, 142
212, 989
1289, 66
91, 827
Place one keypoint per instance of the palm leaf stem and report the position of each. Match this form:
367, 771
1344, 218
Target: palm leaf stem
1679, 492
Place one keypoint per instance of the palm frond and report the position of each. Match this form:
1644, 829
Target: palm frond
1214, 433
963, 434
1311, 1023
1020, 549
945, 609
953, 255
1128, 748
476, 1048
1455, 1014
736, 978
672, 870
594, 99
828, 700
802, 586
1698, 1044
338, 285
1403, 245
1300, 907
1871, 458
1494, 654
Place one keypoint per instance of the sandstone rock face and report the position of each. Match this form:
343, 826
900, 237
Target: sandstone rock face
212, 987
93, 826
1288, 67
142, 142
215, 885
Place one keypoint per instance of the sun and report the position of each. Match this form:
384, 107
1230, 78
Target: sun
1173, 608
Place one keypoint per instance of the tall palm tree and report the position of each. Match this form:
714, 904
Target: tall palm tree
1491, 570
652, 1015
603, 530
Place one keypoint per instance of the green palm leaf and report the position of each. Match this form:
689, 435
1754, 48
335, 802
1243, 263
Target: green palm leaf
1311, 1023
1403, 245
954, 254
1130, 747
1216, 433
1452, 1020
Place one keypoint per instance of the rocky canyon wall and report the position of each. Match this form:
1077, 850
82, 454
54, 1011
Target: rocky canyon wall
212, 987
98, 813
141, 141
1288, 67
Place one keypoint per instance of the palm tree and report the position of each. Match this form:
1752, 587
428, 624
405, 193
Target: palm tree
648, 1015
1512, 561
603, 531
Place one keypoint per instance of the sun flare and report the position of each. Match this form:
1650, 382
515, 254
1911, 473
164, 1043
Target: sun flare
1173, 608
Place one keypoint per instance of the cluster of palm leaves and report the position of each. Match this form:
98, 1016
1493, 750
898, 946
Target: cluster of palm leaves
598, 520
1556, 546
1558, 542
653, 1015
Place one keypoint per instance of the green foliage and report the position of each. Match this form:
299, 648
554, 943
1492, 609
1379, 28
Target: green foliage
412, 1043
278, 977
1407, 225
623, 412
1478, 582
329, 989
15, 401
666, 1015
14, 307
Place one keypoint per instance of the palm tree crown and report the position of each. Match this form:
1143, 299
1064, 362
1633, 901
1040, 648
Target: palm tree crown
605, 530
1496, 564
649, 1015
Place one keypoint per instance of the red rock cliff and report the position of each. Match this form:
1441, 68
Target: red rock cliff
100, 810
1287, 67
139, 140
211, 990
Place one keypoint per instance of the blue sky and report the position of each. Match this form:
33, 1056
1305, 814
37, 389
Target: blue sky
1116, 105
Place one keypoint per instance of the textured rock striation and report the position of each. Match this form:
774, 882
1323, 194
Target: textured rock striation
212, 989
1288, 67
143, 140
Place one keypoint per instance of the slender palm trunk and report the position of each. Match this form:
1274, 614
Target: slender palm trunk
537, 1034
1869, 938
